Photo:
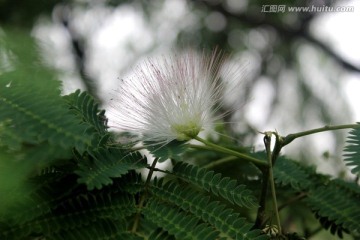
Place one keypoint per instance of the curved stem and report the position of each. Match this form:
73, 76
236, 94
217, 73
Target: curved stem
283, 141
292, 200
291, 137
201, 147
260, 216
267, 141
267, 172
143, 196
220, 161
221, 149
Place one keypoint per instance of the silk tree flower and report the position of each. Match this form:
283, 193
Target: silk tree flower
171, 98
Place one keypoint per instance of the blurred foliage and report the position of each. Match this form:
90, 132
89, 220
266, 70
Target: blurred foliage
21, 68
24, 13
19, 53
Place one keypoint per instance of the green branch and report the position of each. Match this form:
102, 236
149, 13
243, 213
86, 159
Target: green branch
292, 200
143, 196
267, 142
214, 147
287, 203
283, 141
291, 137
220, 161
260, 216
267, 172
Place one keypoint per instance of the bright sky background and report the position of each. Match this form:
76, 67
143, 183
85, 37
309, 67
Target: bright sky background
110, 32
339, 31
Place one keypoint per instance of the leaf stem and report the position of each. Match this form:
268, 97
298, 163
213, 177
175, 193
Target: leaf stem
143, 196
221, 149
220, 161
267, 142
279, 144
260, 216
291, 137
283, 141
290, 201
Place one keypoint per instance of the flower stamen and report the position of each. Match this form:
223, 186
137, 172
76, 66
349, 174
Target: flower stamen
185, 132
171, 99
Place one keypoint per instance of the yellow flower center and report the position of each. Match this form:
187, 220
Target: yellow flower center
185, 132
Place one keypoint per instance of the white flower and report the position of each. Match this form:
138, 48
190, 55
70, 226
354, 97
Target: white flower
171, 99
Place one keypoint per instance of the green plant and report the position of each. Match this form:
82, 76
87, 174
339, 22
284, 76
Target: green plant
63, 175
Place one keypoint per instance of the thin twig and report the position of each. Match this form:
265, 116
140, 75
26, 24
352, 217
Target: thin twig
214, 147
267, 142
260, 216
143, 196
292, 200
220, 161
291, 137
287, 203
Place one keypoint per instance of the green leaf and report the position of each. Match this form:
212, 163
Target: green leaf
105, 229
288, 172
75, 213
178, 223
88, 110
172, 150
225, 220
160, 234
34, 117
24, 66
337, 204
106, 164
13, 187
213, 182
352, 151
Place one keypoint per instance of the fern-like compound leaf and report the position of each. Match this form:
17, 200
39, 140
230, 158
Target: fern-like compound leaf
213, 182
85, 106
350, 187
352, 151
45, 191
337, 204
106, 164
223, 219
160, 234
75, 213
290, 173
105, 229
178, 223
35, 117
163, 152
